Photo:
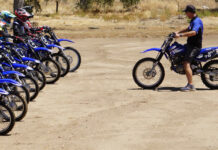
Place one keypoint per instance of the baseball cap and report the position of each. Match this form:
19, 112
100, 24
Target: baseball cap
190, 8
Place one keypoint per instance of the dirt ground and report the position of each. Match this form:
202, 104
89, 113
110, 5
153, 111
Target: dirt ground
101, 108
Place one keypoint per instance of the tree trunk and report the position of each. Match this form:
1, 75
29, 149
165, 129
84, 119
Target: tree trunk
18, 4
57, 6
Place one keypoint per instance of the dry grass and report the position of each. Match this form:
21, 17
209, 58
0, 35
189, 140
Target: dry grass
149, 18
146, 9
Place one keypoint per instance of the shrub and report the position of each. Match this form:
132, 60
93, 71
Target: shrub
92, 4
34, 3
129, 3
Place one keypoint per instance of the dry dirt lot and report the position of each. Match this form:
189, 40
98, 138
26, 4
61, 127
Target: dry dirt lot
100, 107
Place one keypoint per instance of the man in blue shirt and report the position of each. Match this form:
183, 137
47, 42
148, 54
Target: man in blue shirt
194, 43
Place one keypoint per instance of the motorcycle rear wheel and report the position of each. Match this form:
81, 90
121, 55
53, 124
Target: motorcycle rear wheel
210, 74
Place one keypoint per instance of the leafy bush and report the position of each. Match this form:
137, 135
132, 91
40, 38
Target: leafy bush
34, 3
129, 3
90, 4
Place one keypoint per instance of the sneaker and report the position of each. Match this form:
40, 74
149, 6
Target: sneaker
188, 87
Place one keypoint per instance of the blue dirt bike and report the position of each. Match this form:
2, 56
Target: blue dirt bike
48, 66
59, 56
71, 53
20, 58
17, 104
9, 63
149, 73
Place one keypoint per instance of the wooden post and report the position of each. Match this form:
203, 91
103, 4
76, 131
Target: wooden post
57, 6
18, 4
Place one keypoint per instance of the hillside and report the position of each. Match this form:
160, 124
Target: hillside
150, 18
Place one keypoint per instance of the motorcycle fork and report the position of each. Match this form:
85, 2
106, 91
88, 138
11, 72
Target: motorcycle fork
159, 57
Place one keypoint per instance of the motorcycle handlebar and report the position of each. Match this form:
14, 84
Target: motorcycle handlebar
172, 35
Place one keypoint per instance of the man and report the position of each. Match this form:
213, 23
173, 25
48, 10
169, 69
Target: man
194, 43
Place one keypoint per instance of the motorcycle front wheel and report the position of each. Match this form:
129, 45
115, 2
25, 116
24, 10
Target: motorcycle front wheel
74, 58
51, 70
63, 62
7, 119
31, 85
22, 91
148, 73
18, 105
40, 78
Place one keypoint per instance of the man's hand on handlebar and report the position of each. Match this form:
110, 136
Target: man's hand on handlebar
177, 35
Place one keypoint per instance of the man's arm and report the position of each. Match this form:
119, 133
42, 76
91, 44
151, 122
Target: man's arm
188, 34
195, 29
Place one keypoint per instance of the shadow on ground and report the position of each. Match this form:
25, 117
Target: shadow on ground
167, 89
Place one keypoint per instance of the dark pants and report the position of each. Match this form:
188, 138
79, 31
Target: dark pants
191, 53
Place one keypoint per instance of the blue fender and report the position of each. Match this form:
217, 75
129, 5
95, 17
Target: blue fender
154, 49
15, 65
11, 81
6, 64
17, 59
12, 72
205, 50
3, 92
30, 59
151, 49
9, 43
66, 40
42, 49
53, 45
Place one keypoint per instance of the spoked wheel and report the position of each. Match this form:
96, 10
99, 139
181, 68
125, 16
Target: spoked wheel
23, 92
32, 86
63, 62
210, 74
74, 58
7, 119
51, 70
40, 78
18, 105
148, 74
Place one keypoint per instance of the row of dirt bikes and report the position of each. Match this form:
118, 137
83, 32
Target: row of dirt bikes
27, 65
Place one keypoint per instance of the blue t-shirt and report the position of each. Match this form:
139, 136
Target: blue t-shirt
196, 25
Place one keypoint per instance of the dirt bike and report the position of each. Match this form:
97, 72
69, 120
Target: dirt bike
13, 100
9, 63
59, 57
71, 53
148, 73
48, 66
